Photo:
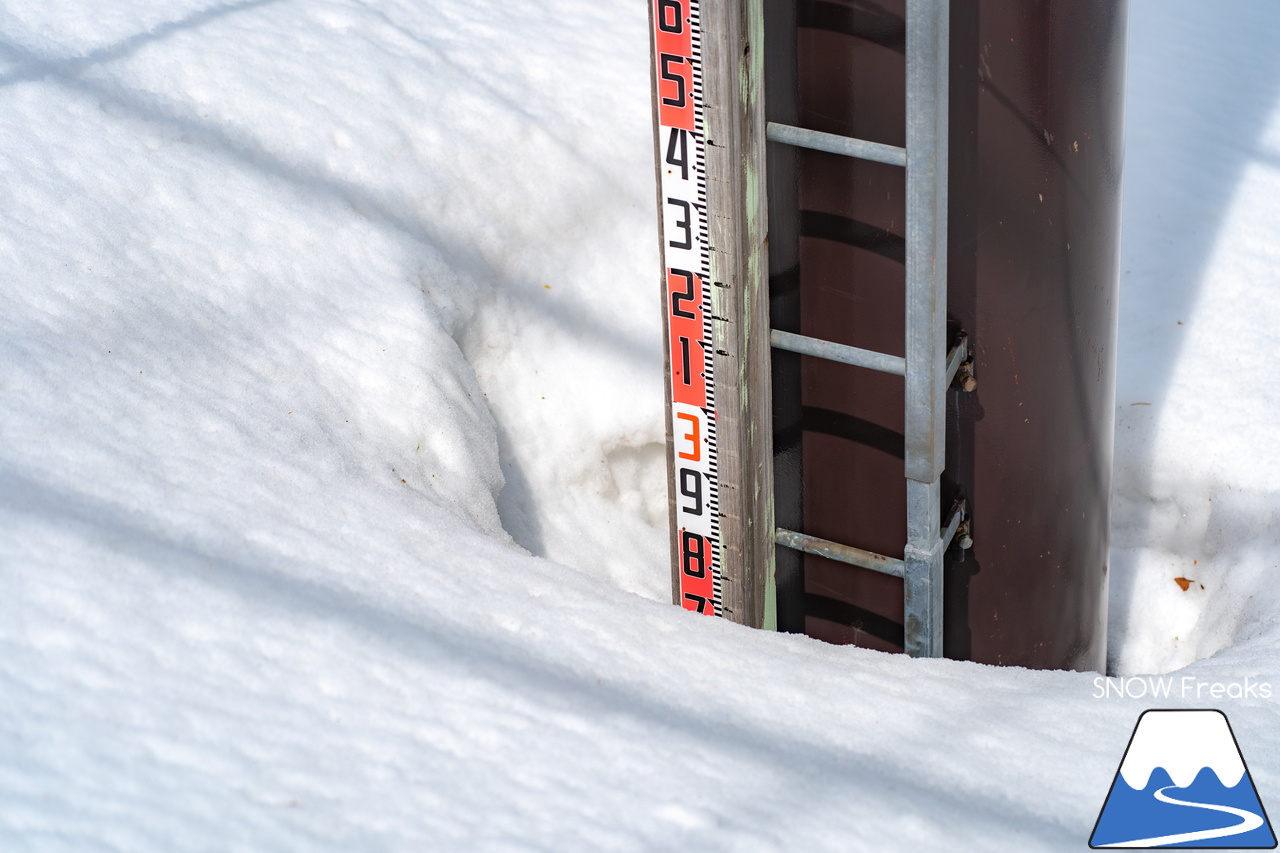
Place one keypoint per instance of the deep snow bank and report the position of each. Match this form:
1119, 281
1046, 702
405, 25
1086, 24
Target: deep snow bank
286, 285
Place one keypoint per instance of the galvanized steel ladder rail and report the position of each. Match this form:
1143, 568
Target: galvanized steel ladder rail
928, 368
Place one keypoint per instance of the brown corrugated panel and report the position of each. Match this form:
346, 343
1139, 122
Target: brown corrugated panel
1035, 133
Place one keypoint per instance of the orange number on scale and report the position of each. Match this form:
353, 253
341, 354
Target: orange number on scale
694, 435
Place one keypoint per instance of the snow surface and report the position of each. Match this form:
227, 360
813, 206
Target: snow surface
1197, 436
331, 479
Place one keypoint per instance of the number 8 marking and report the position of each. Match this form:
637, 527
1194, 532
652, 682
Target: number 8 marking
689, 553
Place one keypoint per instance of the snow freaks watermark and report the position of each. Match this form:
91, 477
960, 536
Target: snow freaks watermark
1183, 783
1183, 687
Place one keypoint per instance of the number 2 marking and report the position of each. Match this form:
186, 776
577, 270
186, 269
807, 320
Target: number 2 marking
686, 296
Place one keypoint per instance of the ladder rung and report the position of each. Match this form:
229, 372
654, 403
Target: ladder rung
801, 137
838, 352
842, 553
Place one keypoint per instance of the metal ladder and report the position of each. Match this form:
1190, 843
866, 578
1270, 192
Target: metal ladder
929, 368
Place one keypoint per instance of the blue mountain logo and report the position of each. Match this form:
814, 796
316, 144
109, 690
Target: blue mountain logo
1183, 783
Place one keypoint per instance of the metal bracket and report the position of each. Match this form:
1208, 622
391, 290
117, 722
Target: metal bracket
960, 366
957, 357
954, 518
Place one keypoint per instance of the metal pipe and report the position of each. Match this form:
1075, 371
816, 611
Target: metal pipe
928, 69
832, 143
838, 352
841, 553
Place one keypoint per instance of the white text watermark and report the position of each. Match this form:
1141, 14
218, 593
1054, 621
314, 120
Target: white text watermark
1179, 687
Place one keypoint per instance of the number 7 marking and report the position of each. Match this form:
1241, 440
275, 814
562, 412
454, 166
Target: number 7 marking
697, 599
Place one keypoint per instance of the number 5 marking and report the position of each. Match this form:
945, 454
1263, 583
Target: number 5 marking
667, 60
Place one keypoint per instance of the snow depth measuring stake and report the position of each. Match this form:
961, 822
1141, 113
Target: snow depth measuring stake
687, 256
710, 140
710, 145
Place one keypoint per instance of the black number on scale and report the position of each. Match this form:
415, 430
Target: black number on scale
683, 223
679, 139
697, 599
685, 378
691, 487
687, 296
693, 549
677, 16
668, 60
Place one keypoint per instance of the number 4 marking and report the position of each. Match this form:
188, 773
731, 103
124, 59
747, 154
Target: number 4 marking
679, 158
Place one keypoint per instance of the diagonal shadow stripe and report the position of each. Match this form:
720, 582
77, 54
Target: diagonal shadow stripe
859, 430
33, 66
842, 229
249, 154
863, 19
853, 616
840, 425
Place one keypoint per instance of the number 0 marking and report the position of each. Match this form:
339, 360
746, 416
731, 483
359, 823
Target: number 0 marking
670, 16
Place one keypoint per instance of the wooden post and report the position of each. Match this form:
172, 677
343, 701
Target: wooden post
708, 75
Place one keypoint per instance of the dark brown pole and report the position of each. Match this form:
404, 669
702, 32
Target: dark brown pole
1035, 152
784, 310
